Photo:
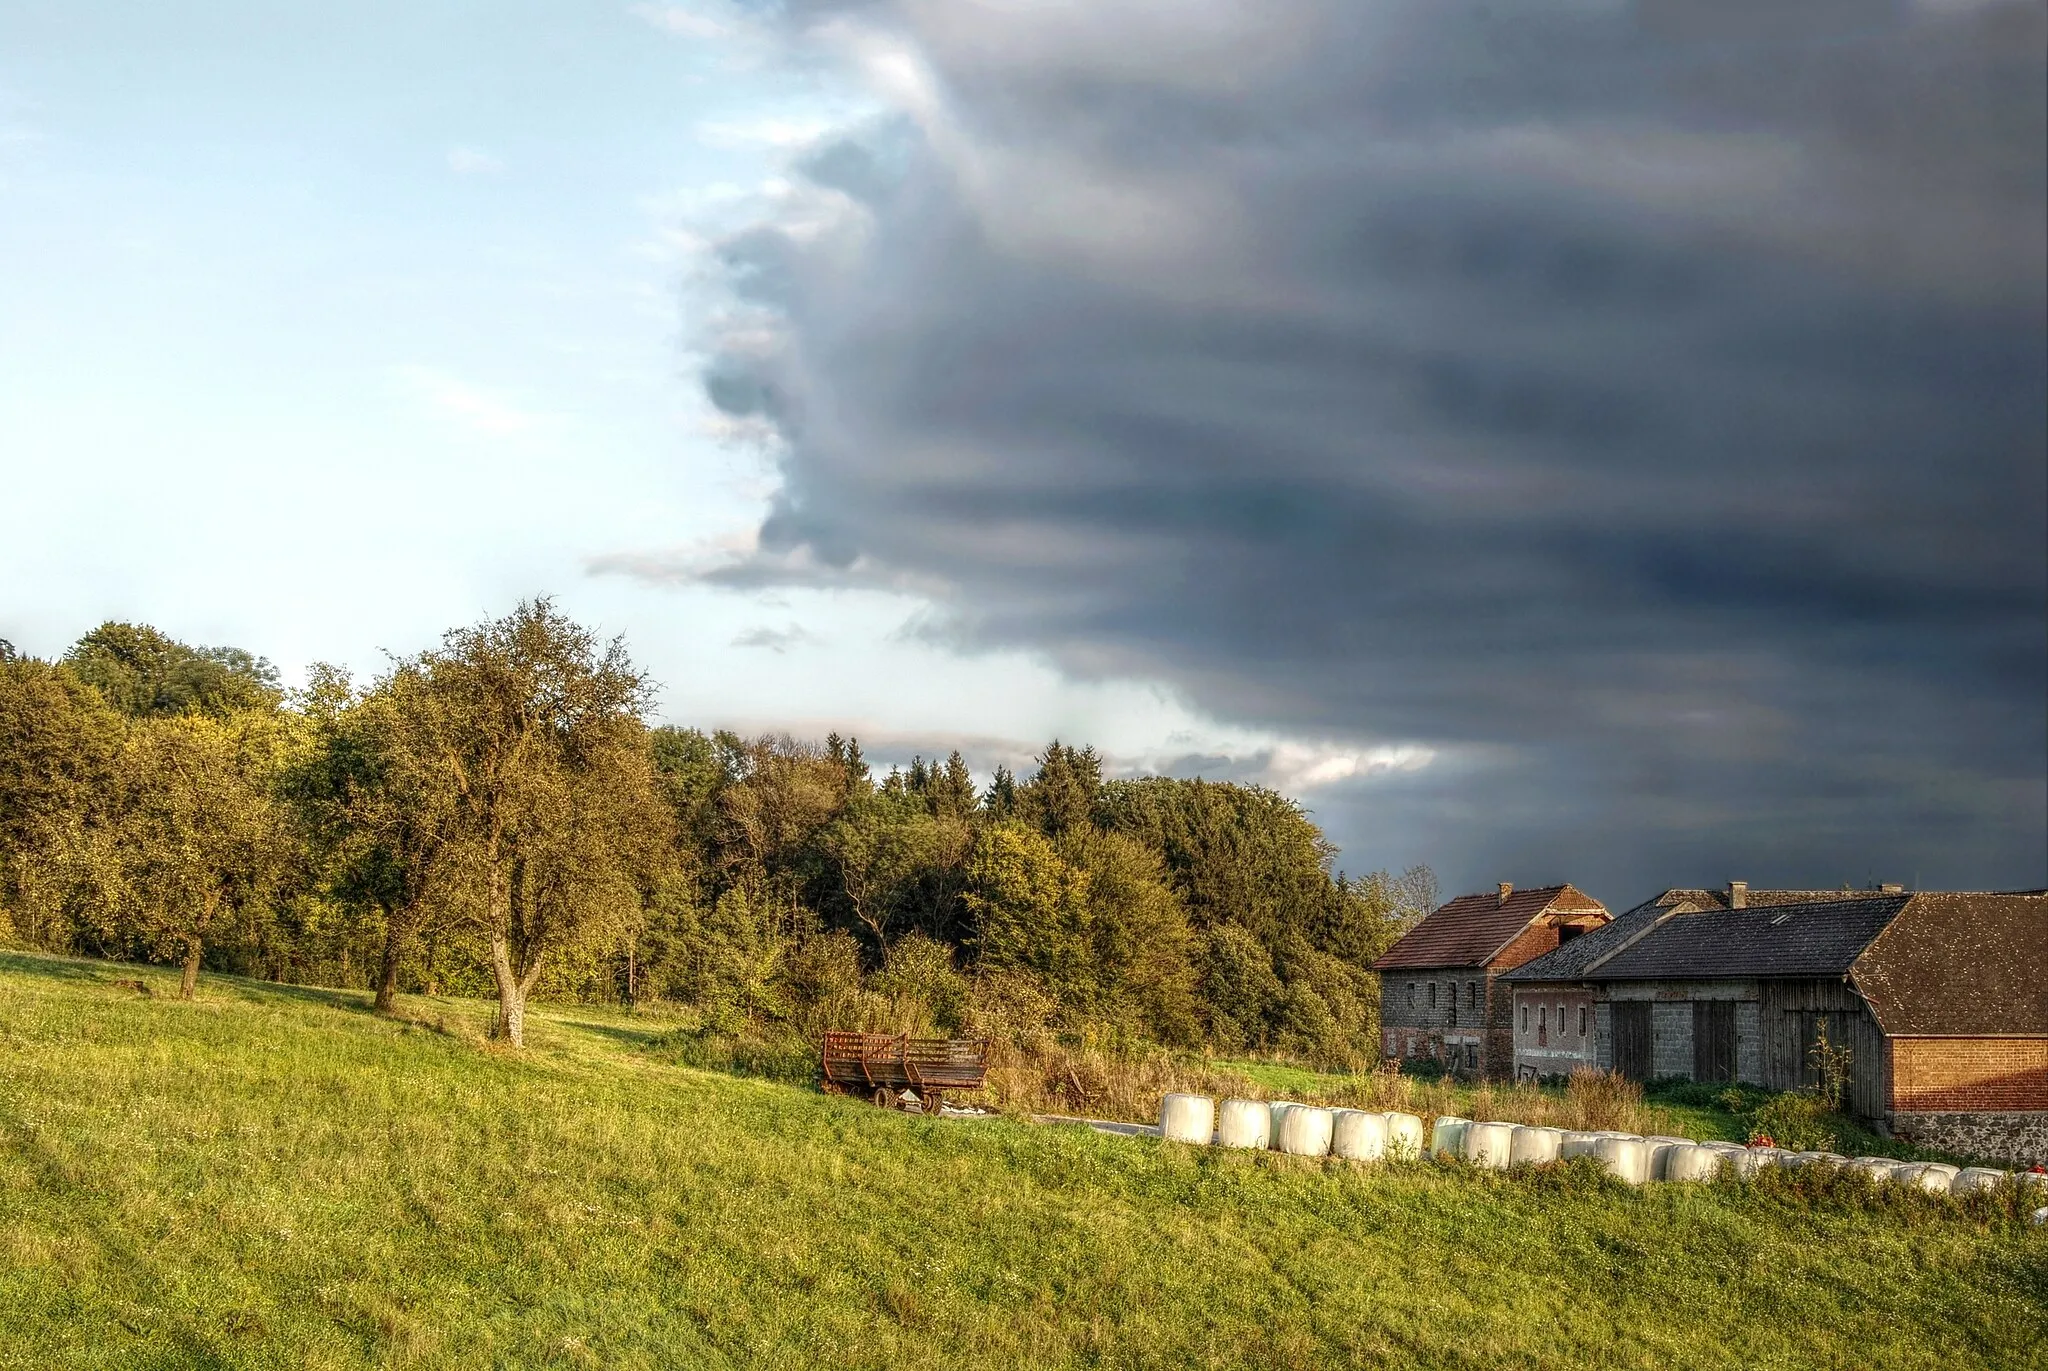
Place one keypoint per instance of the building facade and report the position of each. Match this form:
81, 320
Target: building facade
1439, 997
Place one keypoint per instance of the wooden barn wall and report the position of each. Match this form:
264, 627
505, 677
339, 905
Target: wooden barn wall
1787, 1013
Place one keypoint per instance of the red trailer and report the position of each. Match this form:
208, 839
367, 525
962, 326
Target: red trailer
883, 1066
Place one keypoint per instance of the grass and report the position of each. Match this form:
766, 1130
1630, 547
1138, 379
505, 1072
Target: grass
274, 1177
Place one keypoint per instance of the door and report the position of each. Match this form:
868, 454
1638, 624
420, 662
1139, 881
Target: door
1632, 1039
1713, 1040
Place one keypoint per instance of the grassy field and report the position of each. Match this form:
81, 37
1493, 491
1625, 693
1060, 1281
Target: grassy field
272, 1177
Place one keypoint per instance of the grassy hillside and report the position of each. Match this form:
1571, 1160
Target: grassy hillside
273, 1177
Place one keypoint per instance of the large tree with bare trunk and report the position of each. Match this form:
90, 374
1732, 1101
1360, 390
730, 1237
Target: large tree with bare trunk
554, 829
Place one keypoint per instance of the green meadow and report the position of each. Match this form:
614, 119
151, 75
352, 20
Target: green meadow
275, 1177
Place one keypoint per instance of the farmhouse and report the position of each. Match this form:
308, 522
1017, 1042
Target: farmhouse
1438, 997
1553, 1005
1940, 999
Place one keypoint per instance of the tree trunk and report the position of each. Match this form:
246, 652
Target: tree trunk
191, 981
387, 972
510, 1024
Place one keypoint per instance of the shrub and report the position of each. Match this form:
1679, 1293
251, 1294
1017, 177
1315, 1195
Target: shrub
1797, 1121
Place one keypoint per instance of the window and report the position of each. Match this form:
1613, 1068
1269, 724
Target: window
1432, 994
1472, 994
1411, 994
1582, 1021
1525, 1018
1560, 1018
1451, 1018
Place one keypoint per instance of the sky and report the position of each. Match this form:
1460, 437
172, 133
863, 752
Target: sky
1572, 440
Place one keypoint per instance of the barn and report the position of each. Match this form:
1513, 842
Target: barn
1940, 998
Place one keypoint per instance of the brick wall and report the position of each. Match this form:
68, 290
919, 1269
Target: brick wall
1948, 1075
1543, 1046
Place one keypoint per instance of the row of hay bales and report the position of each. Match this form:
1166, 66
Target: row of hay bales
1364, 1136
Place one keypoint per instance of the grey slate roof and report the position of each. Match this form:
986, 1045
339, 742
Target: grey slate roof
1816, 939
1571, 961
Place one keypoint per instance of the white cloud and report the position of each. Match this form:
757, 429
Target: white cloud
762, 133
680, 20
465, 160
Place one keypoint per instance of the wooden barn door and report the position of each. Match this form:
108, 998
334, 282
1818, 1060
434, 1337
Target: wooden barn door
1713, 1040
1632, 1039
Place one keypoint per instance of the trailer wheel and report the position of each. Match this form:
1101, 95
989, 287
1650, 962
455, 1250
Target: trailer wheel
884, 1097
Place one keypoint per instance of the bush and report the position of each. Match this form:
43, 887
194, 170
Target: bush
1795, 1121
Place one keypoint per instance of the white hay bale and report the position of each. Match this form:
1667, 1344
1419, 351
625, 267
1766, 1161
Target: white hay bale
1490, 1145
1933, 1177
1446, 1135
1404, 1135
1881, 1170
1577, 1143
1971, 1179
1691, 1162
1660, 1148
1533, 1144
1244, 1123
1359, 1135
1626, 1158
1187, 1118
1305, 1131
1278, 1109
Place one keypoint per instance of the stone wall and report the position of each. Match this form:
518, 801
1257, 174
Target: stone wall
2018, 1138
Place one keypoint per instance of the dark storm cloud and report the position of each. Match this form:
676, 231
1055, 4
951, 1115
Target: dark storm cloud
1643, 405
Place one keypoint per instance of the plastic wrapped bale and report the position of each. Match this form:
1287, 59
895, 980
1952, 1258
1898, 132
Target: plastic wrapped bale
1244, 1123
1626, 1159
1187, 1118
1751, 1160
1971, 1179
1279, 1110
1358, 1136
1660, 1149
1490, 1145
1534, 1144
1446, 1136
1576, 1143
1881, 1170
1404, 1135
1933, 1177
1691, 1162
1826, 1161
1305, 1131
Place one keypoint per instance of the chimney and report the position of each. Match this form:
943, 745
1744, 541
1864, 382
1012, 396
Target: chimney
1507, 888
1738, 894
1891, 888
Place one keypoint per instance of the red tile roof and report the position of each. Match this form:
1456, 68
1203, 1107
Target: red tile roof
1964, 964
1473, 929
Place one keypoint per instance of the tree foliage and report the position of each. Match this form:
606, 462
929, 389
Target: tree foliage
495, 816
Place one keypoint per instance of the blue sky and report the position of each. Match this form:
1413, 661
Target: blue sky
1595, 442
322, 330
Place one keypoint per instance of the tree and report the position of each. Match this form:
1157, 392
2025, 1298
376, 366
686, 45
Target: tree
556, 821
144, 673
58, 743
879, 845
199, 841
1061, 798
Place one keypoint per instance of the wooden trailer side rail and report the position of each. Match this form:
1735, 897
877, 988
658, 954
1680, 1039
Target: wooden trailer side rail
884, 1065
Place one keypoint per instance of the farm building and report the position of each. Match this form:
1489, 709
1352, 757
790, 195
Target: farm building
1941, 1000
1553, 1005
1438, 997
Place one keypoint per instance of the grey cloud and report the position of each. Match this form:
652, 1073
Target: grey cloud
1653, 406
777, 640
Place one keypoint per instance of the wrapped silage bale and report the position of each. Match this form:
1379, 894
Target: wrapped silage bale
1244, 1123
1660, 1148
1404, 1135
1446, 1135
1533, 1144
1490, 1145
1187, 1118
1933, 1177
1577, 1143
1825, 1161
1751, 1160
1691, 1162
1971, 1179
1305, 1131
1359, 1135
1626, 1158
1880, 1169
1279, 1110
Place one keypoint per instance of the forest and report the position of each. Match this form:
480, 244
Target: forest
496, 816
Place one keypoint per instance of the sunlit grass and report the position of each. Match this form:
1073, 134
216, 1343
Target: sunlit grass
274, 1177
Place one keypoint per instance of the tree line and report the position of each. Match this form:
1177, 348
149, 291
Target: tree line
497, 816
